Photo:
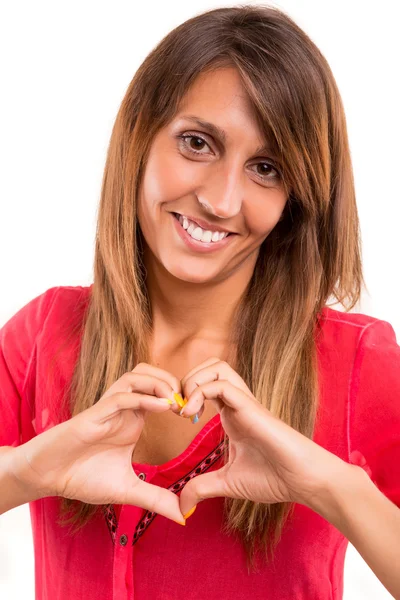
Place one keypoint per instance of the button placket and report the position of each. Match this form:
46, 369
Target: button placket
122, 572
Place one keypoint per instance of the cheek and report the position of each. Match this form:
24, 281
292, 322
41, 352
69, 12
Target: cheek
166, 178
262, 220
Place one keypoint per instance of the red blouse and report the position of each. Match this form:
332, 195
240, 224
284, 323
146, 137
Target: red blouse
127, 553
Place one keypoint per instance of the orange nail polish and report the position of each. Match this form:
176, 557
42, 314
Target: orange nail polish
167, 400
180, 522
179, 400
191, 511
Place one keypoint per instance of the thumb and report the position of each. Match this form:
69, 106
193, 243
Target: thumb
155, 499
208, 485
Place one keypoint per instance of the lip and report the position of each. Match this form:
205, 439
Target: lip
205, 225
202, 247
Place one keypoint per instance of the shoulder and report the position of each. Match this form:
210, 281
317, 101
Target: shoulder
334, 318
42, 319
68, 301
352, 332
354, 350
29, 342
361, 359
45, 309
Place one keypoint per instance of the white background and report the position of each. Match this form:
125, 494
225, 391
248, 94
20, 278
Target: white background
65, 69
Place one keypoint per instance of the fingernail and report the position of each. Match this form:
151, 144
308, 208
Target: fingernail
179, 400
167, 400
195, 418
180, 522
191, 511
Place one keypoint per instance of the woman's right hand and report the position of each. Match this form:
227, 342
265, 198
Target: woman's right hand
89, 457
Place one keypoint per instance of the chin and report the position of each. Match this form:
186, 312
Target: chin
191, 277
190, 274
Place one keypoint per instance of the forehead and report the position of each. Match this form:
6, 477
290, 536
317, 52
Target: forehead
217, 91
220, 97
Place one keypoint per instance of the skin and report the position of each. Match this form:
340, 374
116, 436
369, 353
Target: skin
193, 295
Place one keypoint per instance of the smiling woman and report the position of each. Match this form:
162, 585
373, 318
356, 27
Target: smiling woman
243, 190
245, 203
227, 221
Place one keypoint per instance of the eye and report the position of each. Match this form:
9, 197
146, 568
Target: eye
268, 171
187, 140
194, 143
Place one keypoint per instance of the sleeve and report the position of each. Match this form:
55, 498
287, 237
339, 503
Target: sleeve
374, 419
17, 357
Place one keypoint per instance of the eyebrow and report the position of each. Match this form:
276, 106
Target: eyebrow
220, 133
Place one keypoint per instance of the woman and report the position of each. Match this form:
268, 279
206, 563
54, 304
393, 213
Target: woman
227, 221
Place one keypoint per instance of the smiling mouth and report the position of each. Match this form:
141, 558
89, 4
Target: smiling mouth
200, 245
216, 236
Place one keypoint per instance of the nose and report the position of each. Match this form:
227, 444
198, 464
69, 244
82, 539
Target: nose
222, 194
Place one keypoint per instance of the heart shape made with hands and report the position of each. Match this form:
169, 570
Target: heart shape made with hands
269, 461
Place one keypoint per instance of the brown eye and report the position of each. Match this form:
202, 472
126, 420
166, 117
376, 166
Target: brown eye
266, 171
196, 143
193, 143
265, 168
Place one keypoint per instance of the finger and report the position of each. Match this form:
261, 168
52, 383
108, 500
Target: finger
141, 383
200, 412
133, 401
218, 369
208, 485
203, 365
145, 368
221, 392
182, 400
155, 499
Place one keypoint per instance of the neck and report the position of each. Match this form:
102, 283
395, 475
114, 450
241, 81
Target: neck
186, 311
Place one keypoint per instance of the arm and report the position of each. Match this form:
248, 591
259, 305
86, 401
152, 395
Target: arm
12, 492
17, 348
369, 520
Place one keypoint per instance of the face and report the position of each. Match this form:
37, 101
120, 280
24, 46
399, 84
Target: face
221, 178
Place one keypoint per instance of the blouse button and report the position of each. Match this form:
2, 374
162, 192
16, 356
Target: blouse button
142, 476
123, 540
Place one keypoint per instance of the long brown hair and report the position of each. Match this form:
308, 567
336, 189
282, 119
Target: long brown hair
313, 254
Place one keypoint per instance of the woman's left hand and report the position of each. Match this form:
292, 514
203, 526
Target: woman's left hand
269, 461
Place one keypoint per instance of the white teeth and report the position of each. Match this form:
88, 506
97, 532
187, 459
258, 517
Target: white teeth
200, 234
206, 236
191, 228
